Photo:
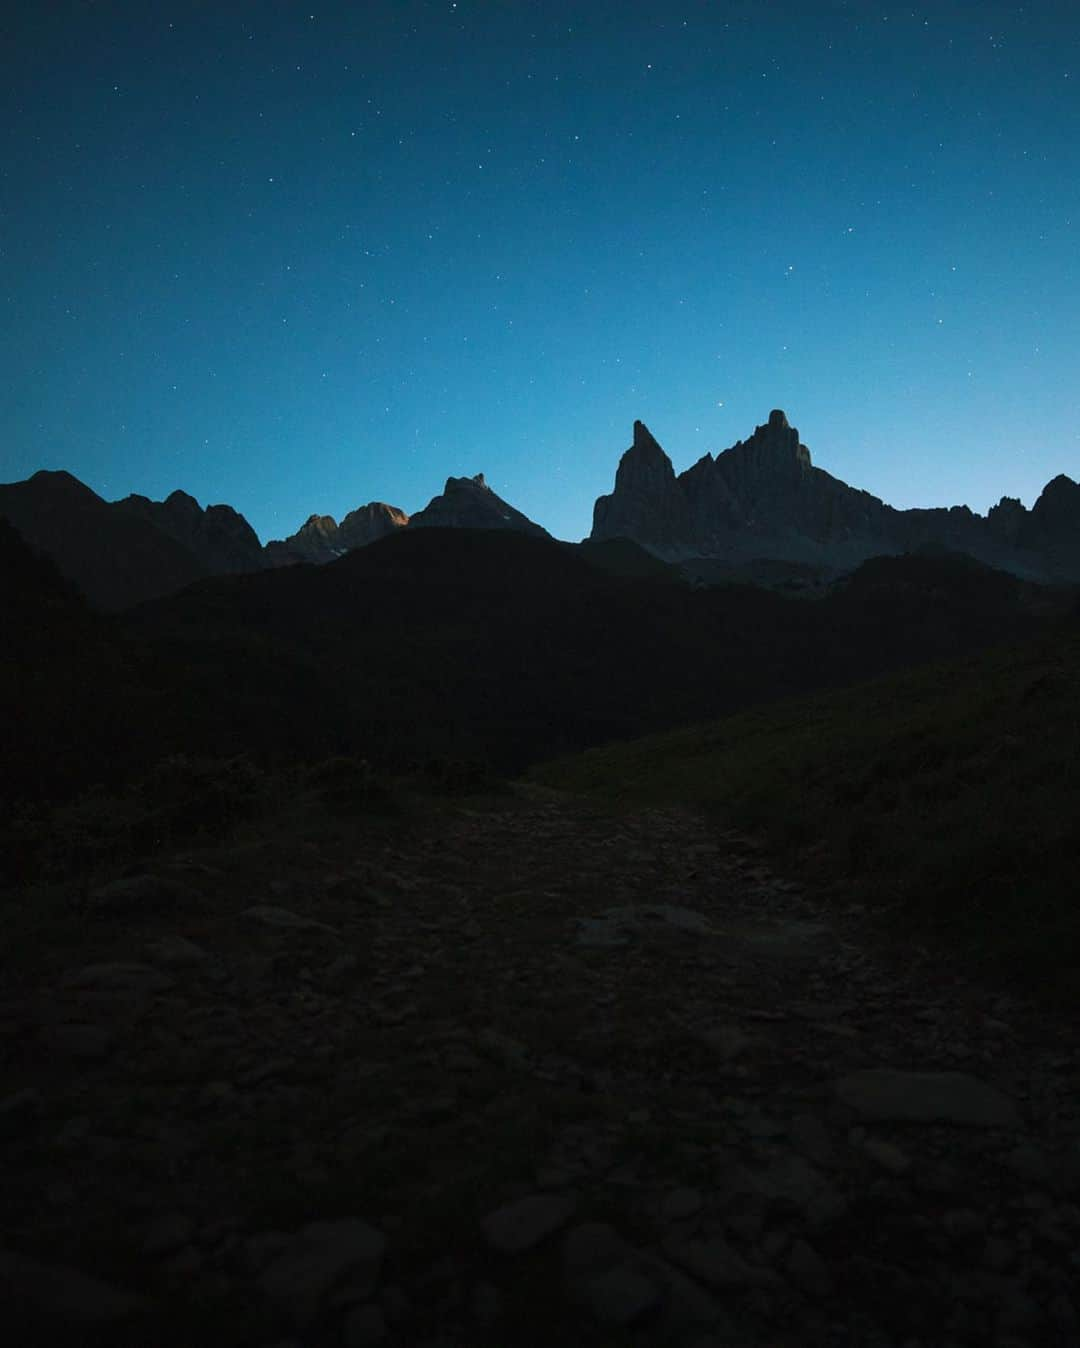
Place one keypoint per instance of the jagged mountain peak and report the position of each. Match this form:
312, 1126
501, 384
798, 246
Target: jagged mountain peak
180, 500
644, 440
1055, 516
376, 510
469, 503
776, 440
466, 484
647, 504
320, 539
764, 499
1061, 485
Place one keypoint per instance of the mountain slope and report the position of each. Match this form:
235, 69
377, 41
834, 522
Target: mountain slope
945, 800
496, 645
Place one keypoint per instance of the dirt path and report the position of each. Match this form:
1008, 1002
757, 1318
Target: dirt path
528, 1073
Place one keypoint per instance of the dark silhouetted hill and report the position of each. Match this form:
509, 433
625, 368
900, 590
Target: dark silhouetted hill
218, 537
621, 557
504, 647
74, 700
123, 552
477, 646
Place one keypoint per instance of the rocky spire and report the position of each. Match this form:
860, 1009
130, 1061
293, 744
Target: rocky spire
647, 504
771, 455
644, 464
644, 440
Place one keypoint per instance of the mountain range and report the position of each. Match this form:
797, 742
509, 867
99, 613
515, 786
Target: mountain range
764, 499
760, 510
121, 553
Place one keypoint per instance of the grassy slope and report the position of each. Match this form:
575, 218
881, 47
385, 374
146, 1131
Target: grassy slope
945, 799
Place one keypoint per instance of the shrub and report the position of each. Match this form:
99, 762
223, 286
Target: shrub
183, 796
344, 782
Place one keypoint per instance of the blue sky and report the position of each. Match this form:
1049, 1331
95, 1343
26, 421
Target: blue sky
299, 257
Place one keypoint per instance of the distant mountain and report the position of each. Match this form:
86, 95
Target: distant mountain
759, 512
320, 539
120, 553
219, 536
1052, 527
469, 503
465, 503
764, 499
117, 554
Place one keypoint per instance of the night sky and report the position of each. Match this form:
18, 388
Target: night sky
299, 257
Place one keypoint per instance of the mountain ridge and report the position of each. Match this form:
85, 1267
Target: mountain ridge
760, 508
765, 498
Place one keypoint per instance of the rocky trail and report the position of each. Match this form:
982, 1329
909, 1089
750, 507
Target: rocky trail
528, 1073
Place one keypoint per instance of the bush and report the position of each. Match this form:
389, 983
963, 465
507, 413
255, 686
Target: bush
344, 782
452, 776
179, 800
185, 796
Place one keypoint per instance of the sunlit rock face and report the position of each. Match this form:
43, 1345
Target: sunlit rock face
764, 498
465, 503
469, 503
369, 523
321, 539
314, 541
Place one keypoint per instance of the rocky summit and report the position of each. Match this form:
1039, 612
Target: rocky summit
321, 539
764, 499
469, 503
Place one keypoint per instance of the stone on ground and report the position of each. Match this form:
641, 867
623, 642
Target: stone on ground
926, 1097
519, 1226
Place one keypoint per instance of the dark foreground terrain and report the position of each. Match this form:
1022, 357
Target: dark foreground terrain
525, 1069
322, 1026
